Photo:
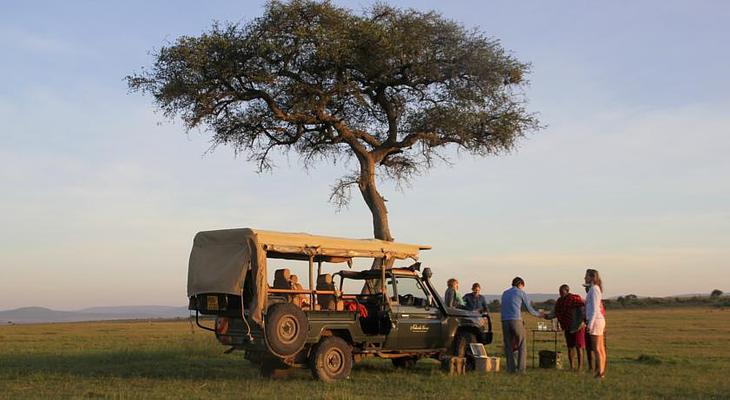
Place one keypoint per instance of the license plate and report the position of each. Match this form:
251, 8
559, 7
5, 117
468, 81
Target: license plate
212, 302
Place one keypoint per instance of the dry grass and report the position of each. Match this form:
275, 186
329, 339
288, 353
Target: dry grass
667, 353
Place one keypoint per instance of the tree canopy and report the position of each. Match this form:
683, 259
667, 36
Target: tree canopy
389, 88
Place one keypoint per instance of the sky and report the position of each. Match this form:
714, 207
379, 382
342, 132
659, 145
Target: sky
100, 196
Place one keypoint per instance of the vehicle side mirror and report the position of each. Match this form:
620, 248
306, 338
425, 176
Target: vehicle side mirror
427, 274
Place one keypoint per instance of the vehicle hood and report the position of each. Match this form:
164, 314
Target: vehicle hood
456, 312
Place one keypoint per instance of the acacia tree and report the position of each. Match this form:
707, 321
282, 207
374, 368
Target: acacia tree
394, 90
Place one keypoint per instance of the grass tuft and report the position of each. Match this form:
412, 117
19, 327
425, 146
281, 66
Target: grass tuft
647, 359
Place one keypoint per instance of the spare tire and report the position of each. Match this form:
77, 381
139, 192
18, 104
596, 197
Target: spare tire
286, 329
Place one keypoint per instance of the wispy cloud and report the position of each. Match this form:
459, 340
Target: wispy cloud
37, 43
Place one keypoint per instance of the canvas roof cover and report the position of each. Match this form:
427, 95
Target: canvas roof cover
220, 259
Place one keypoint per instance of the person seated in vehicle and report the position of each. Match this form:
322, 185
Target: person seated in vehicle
282, 279
475, 301
300, 299
452, 299
327, 301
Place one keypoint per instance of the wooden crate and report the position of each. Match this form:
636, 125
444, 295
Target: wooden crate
486, 364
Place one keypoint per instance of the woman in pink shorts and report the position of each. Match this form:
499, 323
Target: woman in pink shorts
596, 322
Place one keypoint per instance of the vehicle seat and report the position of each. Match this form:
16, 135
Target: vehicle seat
328, 301
281, 279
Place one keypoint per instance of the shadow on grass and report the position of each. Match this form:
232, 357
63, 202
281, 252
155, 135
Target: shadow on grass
129, 364
374, 367
164, 364
380, 366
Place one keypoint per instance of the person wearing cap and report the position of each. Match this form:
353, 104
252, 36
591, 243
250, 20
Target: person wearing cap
474, 301
513, 328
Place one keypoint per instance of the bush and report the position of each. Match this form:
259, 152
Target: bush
647, 359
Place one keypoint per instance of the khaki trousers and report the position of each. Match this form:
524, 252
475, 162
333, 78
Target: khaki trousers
514, 338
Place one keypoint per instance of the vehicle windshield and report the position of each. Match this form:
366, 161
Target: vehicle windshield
362, 285
410, 292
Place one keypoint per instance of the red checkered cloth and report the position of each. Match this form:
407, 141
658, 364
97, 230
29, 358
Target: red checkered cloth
353, 306
565, 309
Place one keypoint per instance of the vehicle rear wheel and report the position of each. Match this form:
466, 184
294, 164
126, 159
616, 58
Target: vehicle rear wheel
286, 329
405, 362
332, 360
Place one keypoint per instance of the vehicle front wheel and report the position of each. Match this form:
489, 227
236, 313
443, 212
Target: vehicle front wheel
405, 362
332, 360
462, 342
461, 346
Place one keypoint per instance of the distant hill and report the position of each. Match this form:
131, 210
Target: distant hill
29, 315
32, 315
542, 297
144, 311
535, 297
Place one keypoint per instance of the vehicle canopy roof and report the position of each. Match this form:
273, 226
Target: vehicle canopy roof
375, 274
221, 259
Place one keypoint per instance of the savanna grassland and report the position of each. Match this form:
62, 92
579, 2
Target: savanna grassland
664, 353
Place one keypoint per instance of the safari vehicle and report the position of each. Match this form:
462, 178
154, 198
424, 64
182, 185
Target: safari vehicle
394, 314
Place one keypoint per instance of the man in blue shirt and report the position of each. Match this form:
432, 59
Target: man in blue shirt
474, 301
513, 329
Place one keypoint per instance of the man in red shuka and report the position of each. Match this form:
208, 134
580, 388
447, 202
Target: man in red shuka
568, 311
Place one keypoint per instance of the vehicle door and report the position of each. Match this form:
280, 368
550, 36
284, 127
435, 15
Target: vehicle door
418, 320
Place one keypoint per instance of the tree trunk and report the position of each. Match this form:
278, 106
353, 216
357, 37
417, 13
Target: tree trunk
375, 202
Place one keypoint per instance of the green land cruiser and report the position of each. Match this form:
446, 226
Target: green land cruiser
395, 313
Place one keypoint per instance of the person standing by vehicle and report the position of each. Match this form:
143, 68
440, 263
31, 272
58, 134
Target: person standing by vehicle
596, 322
451, 297
474, 301
513, 328
568, 311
